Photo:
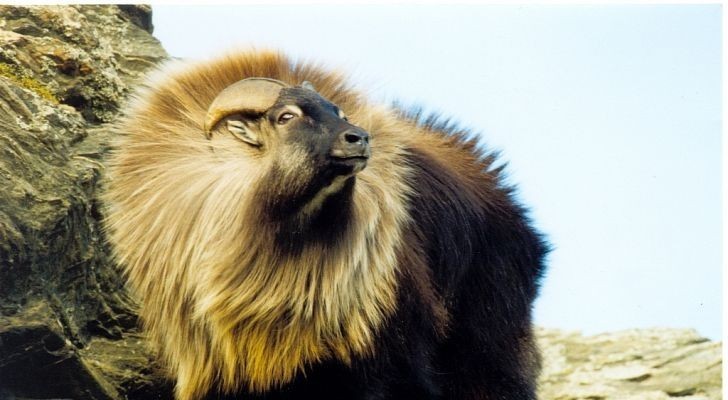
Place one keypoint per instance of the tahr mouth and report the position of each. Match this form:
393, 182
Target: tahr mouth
344, 159
350, 164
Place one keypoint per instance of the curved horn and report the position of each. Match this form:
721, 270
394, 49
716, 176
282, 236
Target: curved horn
254, 95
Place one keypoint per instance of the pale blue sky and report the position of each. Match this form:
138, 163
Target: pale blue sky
609, 116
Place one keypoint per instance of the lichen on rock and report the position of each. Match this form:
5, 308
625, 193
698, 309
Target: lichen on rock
84, 56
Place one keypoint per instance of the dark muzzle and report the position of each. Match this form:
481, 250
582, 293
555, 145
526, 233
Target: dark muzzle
351, 143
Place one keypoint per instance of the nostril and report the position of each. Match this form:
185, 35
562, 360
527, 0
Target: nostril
352, 138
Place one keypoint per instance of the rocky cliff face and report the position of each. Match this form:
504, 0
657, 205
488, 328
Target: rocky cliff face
67, 328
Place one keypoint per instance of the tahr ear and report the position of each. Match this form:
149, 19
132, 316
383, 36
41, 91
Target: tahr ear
243, 130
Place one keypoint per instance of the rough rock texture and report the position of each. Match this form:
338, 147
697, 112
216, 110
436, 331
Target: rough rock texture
67, 328
648, 364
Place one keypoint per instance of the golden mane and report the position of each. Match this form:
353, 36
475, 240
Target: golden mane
219, 302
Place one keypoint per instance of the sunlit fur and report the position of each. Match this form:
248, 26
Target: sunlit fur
423, 290
220, 304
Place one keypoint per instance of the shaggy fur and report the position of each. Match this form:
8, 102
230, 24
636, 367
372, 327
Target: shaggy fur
413, 280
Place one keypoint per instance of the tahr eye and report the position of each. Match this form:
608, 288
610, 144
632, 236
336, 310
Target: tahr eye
285, 117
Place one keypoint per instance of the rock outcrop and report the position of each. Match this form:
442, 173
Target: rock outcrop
67, 328
647, 364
